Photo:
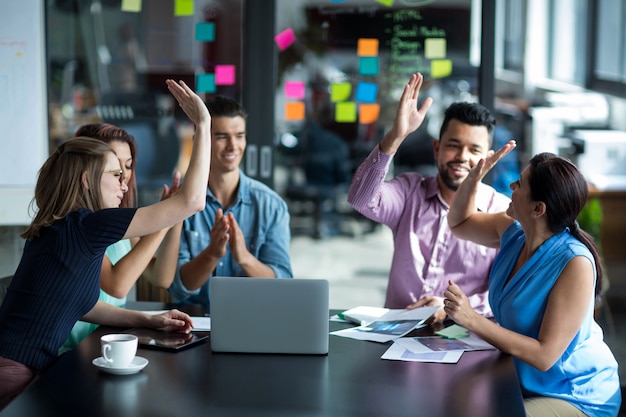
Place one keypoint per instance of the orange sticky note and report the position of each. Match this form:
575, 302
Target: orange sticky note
368, 113
294, 110
367, 47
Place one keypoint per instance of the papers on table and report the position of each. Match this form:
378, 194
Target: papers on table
434, 348
383, 325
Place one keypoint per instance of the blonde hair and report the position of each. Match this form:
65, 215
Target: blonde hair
60, 189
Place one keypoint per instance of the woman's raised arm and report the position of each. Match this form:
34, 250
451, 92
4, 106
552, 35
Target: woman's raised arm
191, 196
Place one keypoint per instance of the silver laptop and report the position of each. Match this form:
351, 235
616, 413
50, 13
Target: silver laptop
258, 315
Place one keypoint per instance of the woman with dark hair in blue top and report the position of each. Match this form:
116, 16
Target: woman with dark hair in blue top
57, 282
542, 288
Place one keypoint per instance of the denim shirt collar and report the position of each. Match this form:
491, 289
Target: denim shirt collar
243, 192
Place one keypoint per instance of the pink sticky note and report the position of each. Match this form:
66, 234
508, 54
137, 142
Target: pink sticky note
285, 38
224, 74
294, 89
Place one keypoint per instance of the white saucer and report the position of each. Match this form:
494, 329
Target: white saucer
135, 366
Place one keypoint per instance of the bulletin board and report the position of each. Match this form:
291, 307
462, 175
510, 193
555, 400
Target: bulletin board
23, 106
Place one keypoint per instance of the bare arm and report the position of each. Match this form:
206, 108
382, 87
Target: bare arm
408, 117
567, 305
192, 194
108, 315
118, 279
161, 273
464, 220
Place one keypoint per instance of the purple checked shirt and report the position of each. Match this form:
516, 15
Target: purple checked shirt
426, 253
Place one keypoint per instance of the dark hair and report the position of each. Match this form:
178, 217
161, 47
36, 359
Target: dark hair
60, 189
473, 114
109, 133
561, 186
220, 106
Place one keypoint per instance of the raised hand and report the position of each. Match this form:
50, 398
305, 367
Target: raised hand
190, 102
173, 189
408, 116
483, 166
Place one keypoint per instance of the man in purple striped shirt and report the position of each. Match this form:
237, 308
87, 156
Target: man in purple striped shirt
415, 208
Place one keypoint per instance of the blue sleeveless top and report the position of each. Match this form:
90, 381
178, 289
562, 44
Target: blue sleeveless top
586, 374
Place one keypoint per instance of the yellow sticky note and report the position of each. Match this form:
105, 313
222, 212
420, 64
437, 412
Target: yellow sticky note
387, 3
440, 68
131, 6
367, 47
368, 113
183, 8
340, 91
294, 110
435, 48
345, 112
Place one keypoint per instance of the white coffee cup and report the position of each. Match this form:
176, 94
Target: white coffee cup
118, 349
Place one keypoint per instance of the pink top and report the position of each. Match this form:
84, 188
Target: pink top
426, 253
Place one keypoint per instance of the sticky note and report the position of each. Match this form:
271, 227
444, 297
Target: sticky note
131, 6
345, 112
440, 68
205, 83
183, 7
205, 31
367, 47
285, 38
224, 74
366, 92
368, 113
368, 65
387, 3
453, 332
295, 89
340, 91
294, 111
435, 48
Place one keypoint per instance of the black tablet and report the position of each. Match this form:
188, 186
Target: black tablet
172, 342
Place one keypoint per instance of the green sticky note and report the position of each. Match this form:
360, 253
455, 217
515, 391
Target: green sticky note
453, 332
183, 8
340, 92
345, 112
131, 6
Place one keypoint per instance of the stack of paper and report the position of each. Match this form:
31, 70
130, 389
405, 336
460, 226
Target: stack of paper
383, 324
435, 348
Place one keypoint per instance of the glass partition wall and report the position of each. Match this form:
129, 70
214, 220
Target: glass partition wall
108, 62
334, 69
342, 66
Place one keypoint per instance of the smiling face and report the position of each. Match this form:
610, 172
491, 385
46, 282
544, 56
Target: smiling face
112, 185
458, 150
228, 143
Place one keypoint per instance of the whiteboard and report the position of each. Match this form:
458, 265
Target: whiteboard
23, 106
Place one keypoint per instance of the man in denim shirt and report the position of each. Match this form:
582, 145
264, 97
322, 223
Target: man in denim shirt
244, 228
